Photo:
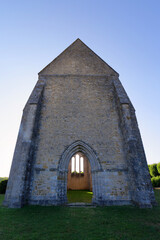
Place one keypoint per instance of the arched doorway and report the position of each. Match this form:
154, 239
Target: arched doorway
79, 179
95, 169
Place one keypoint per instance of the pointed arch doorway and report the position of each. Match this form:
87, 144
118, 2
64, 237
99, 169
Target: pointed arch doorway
82, 148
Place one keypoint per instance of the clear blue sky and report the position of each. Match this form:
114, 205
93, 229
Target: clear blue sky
125, 33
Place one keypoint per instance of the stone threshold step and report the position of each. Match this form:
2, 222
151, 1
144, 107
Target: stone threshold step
80, 204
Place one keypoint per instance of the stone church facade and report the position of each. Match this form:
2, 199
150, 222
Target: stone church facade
79, 106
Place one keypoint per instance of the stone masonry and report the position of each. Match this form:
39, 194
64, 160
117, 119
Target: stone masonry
79, 105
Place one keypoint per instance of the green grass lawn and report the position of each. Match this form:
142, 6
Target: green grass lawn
79, 196
52, 223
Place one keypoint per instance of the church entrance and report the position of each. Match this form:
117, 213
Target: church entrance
79, 170
79, 179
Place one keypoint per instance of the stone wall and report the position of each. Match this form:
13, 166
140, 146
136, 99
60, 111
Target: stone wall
79, 108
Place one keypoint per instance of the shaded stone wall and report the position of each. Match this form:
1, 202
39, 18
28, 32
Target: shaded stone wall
140, 186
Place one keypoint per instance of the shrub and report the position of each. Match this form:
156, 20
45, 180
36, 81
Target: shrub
3, 186
153, 170
149, 170
155, 181
158, 167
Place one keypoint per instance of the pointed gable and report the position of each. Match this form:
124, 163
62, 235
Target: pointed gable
78, 59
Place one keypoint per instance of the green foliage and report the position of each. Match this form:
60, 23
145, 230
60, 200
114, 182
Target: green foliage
149, 169
153, 170
158, 167
155, 181
3, 185
3, 178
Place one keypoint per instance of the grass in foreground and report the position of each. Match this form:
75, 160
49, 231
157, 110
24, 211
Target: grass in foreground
58, 223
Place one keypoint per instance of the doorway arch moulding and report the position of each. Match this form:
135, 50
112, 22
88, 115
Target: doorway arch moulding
96, 170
